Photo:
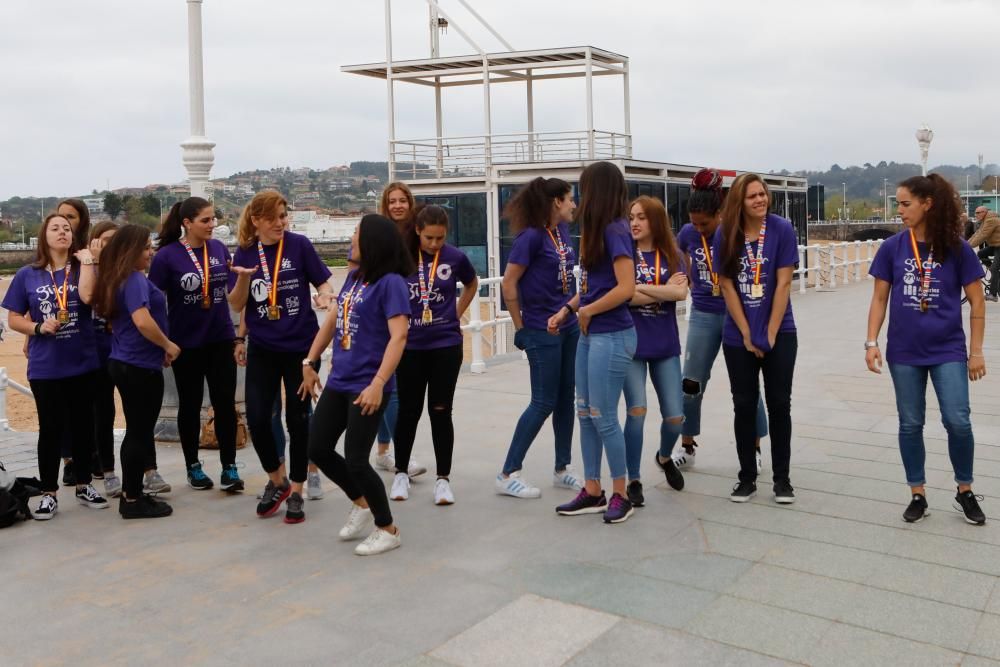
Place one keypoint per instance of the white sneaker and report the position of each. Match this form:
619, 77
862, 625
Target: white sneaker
378, 542
400, 487
47, 508
442, 493
153, 483
415, 469
385, 461
514, 486
359, 522
112, 485
314, 486
682, 459
567, 479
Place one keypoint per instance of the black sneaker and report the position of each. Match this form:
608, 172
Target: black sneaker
969, 503
743, 491
89, 497
293, 509
584, 503
146, 507
916, 510
69, 477
783, 493
634, 493
230, 480
272, 498
197, 479
674, 477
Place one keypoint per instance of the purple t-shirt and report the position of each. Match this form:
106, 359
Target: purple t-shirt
372, 306
102, 339
300, 267
71, 351
128, 345
601, 279
655, 324
540, 290
780, 250
934, 337
175, 273
444, 330
689, 240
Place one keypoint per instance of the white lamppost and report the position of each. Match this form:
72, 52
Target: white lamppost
843, 211
924, 137
197, 149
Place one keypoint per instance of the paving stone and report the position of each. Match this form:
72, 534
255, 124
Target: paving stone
986, 641
796, 591
846, 645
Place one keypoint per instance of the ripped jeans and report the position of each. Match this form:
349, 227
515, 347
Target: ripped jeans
704, 340
666, 377
602, 362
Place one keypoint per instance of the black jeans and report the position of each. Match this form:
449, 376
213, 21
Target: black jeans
141, 390
336, 413
64, 407
266, 369
745, 369
215, 364
434, 372
104, 420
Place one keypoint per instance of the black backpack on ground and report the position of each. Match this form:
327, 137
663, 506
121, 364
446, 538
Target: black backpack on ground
14, 496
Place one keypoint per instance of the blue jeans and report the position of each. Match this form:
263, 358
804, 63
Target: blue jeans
666, 377
704, 340
552, 363
387, 424
951, 384
602, 362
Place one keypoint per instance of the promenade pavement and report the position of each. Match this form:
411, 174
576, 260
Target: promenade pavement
692, 579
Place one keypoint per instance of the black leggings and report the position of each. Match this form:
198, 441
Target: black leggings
104, 420
141, 390
266, 369
336, 413
745, 368
64, 408
215, 364
434, 372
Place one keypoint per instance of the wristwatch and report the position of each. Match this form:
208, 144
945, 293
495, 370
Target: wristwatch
869, 344
88, 262
307, 362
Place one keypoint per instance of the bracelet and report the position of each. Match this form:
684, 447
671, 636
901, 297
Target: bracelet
240, 339
379, 377
38, 329
976, 317
976, 355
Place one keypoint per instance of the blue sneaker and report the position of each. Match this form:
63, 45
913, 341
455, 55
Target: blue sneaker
619, 509
197, 479
584, 503
230, 480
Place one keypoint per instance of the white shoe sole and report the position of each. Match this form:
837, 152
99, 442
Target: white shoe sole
926, 514
784, 500
742, 499
511, 494
42, 517
315, 495
93, 506
400, 498
444, 502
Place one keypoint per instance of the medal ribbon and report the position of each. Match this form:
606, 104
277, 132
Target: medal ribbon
925, 274
708, 260
427, 284
61, 299
561, 251
202, 273
348, 308
644, 268
758, 261
272, 285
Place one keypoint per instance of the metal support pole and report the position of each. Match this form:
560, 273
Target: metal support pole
4, 422
803, 276
389, 90
628, 112
476, 321
590, 104
531, 117
196, 150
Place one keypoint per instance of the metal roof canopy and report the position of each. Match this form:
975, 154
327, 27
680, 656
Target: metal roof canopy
485, 69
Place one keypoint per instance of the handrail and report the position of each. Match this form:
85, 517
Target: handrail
5, 382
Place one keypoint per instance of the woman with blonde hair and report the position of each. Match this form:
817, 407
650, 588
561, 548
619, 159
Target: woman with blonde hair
272, 272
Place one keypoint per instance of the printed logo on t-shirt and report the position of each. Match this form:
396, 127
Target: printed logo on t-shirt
746, 279
214, 261
911, 284
258, 289
444, 271
704, 275
191, 282
286, 264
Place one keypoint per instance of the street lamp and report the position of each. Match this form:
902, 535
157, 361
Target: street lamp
843, 211
924, 137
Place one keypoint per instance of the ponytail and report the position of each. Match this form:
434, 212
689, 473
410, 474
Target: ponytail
706, 192
172, 227
943, 219
532, 205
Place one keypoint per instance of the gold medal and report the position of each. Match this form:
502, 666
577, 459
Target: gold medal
63, 316
716, 290
427, 316
205, 305
273, 313
345, 342
924, 305
757, 291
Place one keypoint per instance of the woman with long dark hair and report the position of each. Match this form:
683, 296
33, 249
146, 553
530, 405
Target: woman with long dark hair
272, 271
368, 332
192, 269
433, 355
104, 389
757, 253
708, 311
661, 282
921, 274
608, 340
47, 302
397, 204
140, 348
537, 284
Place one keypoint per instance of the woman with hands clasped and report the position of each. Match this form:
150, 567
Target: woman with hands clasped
757, 252
921, 274
368, 332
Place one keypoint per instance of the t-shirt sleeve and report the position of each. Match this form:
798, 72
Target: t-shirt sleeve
136, 293
465, 272
619, 243
226, 255
159, 270
970, 268
16, 299
316, 271
788, 249
881, 267
718, 259
396, 297
524, 248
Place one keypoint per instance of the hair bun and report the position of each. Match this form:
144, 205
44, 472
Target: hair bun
707, 179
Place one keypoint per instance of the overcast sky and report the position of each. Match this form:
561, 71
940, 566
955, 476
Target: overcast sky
95, 92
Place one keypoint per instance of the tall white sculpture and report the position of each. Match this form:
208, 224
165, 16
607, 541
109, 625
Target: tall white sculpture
924, 137
198, 157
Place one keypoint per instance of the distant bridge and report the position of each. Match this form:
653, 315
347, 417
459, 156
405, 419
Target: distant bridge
852, 230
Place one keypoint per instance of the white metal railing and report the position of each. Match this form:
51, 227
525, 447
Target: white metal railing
6, 382
477, 323
890, 221
831, 258
444, 157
